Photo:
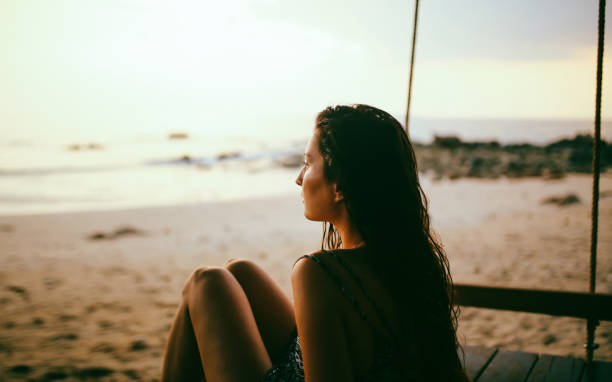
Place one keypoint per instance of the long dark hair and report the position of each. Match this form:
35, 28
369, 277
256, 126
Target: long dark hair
369, 156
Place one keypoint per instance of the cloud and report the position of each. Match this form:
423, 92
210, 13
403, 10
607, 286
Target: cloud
452, 29
507, 30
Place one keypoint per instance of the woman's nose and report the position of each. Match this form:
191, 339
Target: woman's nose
298, 180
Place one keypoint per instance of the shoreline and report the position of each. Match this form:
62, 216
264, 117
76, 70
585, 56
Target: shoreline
150, 208
184, 177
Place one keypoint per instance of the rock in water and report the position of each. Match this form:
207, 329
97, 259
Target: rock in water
178, 136
562, 200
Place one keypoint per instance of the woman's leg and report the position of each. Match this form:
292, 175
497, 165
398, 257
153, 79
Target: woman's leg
215, 319
182, 359
271, 307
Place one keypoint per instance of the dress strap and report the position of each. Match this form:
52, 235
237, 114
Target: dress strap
342, 288
353, 274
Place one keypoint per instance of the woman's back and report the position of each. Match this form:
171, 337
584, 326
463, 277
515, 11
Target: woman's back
371, 322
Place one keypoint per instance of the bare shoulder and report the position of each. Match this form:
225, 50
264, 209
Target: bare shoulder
306, 269
355, 273
310, 278
320, 324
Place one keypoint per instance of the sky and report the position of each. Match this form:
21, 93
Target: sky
159, 65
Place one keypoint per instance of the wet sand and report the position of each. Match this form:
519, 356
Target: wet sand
92, 295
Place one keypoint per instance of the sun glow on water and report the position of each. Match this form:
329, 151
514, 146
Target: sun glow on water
92, 90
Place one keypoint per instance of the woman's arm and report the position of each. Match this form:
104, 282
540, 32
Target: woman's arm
320, 324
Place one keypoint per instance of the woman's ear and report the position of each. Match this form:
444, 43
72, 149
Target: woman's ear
338, 195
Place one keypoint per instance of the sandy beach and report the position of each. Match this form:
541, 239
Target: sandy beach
92, 294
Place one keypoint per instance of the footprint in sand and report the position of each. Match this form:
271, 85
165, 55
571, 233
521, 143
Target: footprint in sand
550, 339
561, 201
21, 370
4, 348
19, 290
165, 278
93, 372
105, 324
67, 317
114, 271
51, 283
37, 321
65, 337
166, 305
9, 325
131, 373
55, 374
138, 345
7, 228
103, 348
150, 290
108, 306
117, 233
605, 194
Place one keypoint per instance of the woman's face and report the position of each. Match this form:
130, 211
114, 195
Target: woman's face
318, 194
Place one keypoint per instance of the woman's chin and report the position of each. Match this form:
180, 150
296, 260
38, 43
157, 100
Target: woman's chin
308, 216
312, 218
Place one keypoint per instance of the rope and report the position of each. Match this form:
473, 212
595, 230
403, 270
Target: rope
592, 323
414, 33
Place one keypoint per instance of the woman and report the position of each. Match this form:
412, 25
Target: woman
376, 306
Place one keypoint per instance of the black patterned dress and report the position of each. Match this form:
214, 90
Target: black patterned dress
290, 367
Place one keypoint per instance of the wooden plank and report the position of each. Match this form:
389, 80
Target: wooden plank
476, 358
549, 368
553, 302
600, 372
508, 366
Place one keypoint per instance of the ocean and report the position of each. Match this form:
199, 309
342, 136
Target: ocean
80, 170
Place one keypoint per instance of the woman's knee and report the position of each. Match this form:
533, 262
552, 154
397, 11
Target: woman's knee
206, 278
239, 266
